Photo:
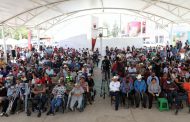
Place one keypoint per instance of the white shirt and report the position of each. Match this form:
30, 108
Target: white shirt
132, 70
114, 86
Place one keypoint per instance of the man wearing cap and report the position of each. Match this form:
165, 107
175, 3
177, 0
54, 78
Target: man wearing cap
114, 90
140, 89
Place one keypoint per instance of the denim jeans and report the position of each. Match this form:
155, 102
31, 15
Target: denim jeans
56, 102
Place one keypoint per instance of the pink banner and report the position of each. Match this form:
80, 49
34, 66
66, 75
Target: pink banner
29, 40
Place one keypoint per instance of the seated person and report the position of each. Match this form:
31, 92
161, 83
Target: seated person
40, 99
127, 90
58, 96
186, 86
69, 77
46, 79
181, 94
140, 91
149, 79
10, 100
154, 90
170, 88
49, 71
85, 86
3, 96
91, 86
114, 90
76, 96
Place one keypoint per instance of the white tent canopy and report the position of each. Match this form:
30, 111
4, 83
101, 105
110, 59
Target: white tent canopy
43, 13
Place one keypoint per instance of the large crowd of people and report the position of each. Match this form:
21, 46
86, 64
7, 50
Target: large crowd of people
49, 80
54, 79
146, 74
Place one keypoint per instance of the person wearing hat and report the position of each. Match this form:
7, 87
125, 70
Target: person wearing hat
58, 96
114, 90
76, 96
140, 91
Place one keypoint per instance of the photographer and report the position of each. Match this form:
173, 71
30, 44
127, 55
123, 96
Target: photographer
106, 67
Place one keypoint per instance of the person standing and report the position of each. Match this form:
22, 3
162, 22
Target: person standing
106, 67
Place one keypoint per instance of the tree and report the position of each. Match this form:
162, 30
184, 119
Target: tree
115, 30
20, 33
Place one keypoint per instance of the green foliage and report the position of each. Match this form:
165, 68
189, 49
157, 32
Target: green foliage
19, 33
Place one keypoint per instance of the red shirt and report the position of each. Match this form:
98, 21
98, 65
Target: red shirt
46, 80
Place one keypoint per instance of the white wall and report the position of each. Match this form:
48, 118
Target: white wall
120, 43
81, 41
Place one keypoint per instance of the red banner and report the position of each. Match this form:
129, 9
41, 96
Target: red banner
93, 43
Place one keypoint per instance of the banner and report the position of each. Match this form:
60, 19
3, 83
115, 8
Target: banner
135, 28
93, 43
29, 40
94, 30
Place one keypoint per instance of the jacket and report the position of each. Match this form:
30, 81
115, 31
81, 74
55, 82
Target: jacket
140, 86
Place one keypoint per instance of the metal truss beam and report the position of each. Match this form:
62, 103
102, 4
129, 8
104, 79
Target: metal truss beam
139, 15
41, 6
107, 8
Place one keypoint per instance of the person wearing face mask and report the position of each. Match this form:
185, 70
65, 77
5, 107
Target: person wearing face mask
10, 102
58, 93
40, 99
140, 89
170, 89
127, 91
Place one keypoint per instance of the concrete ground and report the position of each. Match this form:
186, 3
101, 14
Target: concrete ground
102, 111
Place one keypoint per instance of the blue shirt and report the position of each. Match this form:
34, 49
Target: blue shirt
150, 78
126, 87
140, 86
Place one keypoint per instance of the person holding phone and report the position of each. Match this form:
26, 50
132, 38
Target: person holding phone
154, 90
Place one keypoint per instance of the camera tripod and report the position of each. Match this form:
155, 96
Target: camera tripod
104, 84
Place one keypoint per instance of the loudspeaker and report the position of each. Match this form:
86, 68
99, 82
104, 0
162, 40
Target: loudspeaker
13, 52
